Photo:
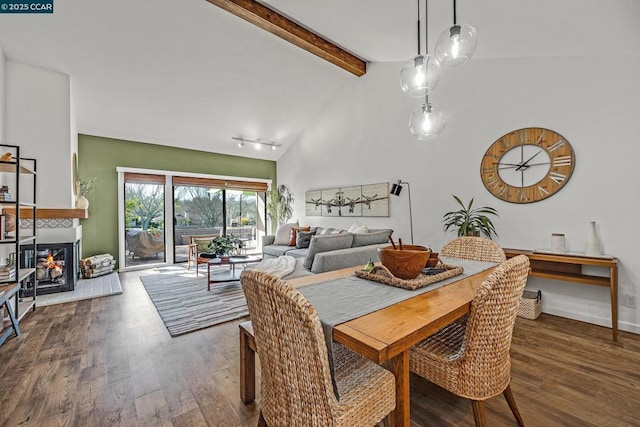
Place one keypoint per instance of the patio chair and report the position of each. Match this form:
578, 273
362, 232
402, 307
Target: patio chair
297, 388
470, 357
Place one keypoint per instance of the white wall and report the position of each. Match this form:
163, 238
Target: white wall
38, 119
362, 137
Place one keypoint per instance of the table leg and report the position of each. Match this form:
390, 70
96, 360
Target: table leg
208, 276
401, 416
614, 302
247, 368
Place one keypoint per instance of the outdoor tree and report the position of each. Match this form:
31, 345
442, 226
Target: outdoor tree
200, 203
145, 202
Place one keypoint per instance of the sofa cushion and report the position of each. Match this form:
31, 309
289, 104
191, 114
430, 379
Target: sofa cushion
365, 239
303, 238
297, 253
283, 233
327, 243
276, 250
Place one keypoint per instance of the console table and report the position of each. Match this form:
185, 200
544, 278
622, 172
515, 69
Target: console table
568, 267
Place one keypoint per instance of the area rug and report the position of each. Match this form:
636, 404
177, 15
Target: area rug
185, 305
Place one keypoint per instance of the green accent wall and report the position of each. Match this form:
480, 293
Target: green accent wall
99, 157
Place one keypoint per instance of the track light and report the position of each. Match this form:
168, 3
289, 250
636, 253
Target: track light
258, 144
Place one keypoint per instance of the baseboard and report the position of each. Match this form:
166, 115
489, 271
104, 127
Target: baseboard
595, 320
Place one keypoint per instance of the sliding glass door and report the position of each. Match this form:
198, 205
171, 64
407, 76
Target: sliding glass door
159, 210
198, 211
144, 219
243, 218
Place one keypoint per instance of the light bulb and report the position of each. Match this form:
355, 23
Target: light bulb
420, 76
426, 122
456, 45
273, 147
240, 144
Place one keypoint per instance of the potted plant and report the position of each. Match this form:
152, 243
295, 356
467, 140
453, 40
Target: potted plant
469, 221
280, 204
222, 246
84, 188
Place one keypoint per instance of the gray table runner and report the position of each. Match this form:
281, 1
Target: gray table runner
340, 300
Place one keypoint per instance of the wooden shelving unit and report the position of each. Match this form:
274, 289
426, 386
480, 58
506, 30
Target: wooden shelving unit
14, 172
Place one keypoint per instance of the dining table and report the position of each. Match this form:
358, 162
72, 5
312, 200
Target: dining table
386, 335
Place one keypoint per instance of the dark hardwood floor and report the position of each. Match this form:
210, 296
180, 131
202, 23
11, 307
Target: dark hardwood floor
110, 361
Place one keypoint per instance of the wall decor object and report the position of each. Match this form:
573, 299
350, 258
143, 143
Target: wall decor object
527, 165
352, 201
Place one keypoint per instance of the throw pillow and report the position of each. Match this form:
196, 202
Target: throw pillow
326, 243
283, 232
326, 231
203, 245
303, 238
360, 230
293, 235
353, 227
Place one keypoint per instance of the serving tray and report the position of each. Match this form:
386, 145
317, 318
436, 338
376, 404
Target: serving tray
381, 274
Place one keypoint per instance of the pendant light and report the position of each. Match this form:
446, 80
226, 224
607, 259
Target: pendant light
426, 122
457, 44
421, 74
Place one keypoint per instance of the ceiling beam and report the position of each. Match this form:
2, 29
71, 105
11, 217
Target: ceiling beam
275, 23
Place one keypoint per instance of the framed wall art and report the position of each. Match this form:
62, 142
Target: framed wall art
352, 201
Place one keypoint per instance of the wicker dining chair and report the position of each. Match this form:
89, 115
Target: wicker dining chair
297, 388
470, 357
474, 248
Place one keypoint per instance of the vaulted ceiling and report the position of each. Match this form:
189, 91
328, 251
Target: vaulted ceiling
190, 74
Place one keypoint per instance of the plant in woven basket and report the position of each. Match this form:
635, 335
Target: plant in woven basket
222, 246
470, 221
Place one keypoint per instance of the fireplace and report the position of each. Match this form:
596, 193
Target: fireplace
56, 267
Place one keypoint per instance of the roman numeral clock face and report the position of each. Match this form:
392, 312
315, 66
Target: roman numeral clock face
527, 165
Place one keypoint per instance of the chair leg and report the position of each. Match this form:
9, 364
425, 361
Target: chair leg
508, 395
261, 421
478, 413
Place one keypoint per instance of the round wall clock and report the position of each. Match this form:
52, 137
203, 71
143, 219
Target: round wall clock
527, 165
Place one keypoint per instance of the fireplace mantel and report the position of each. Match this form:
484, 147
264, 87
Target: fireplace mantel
50, 213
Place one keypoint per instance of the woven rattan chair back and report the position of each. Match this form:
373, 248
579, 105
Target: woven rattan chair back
474, 248
296, 378
470, 357
486, 364
297, 388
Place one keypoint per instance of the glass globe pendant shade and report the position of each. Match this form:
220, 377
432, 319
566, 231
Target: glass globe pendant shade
456, 45
426, 122
420, 76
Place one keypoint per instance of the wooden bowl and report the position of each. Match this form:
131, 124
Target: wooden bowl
406, 263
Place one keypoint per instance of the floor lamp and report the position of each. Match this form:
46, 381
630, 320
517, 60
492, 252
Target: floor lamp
395, 190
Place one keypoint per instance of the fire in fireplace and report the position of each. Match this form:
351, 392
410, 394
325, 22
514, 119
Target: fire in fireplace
56, 267
50, 266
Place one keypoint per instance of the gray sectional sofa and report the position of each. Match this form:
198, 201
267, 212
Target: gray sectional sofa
330, 252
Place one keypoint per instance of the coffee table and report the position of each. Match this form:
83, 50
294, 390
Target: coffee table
230, 275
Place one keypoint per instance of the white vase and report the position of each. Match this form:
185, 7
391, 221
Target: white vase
593, 243
82, 202
558, 244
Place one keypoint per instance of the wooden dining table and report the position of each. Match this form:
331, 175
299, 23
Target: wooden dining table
385, 336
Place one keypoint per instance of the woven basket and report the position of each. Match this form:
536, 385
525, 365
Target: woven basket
530, 305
